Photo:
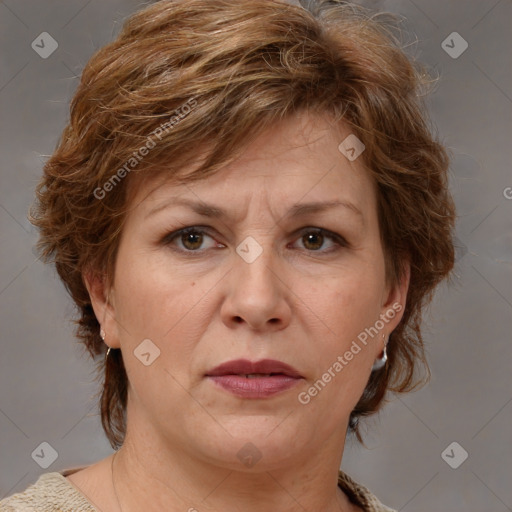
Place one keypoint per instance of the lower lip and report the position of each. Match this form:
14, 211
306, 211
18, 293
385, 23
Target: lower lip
259, 387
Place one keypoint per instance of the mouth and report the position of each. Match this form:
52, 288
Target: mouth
258, 379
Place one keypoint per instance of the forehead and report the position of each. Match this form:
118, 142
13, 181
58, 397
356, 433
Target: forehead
298, 159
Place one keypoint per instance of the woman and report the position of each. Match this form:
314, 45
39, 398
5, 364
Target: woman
251, 213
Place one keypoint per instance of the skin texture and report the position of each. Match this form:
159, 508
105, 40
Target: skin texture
302, 301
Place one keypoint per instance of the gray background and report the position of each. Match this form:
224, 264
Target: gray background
47, 382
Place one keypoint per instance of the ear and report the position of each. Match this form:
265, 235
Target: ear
394, 300
102, 300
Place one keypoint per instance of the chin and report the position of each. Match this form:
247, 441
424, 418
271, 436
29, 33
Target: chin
255, 443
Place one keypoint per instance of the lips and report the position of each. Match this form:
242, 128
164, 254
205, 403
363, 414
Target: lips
254, 379
245, 367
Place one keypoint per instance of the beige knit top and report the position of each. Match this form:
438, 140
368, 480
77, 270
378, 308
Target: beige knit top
54, 493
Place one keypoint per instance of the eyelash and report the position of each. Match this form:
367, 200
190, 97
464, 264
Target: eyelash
204, 230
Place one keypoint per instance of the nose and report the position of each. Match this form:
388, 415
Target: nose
257, 295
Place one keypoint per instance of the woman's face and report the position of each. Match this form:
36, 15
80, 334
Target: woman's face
254, 279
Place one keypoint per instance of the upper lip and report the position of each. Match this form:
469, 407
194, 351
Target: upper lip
244, 366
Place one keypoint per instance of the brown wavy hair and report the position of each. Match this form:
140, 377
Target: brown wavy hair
246, 65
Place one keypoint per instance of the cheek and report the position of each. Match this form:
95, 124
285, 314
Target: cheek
168, 307
154, 304
346, 302
346, 305
149, 293
346, 308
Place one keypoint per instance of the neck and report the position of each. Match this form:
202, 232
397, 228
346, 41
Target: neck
149, 477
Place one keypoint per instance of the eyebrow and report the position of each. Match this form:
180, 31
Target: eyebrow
297, 210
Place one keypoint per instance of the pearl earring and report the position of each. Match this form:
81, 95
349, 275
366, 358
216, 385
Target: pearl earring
381, 361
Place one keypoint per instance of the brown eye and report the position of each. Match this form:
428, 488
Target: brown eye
192, 240
313, 241
321, 241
